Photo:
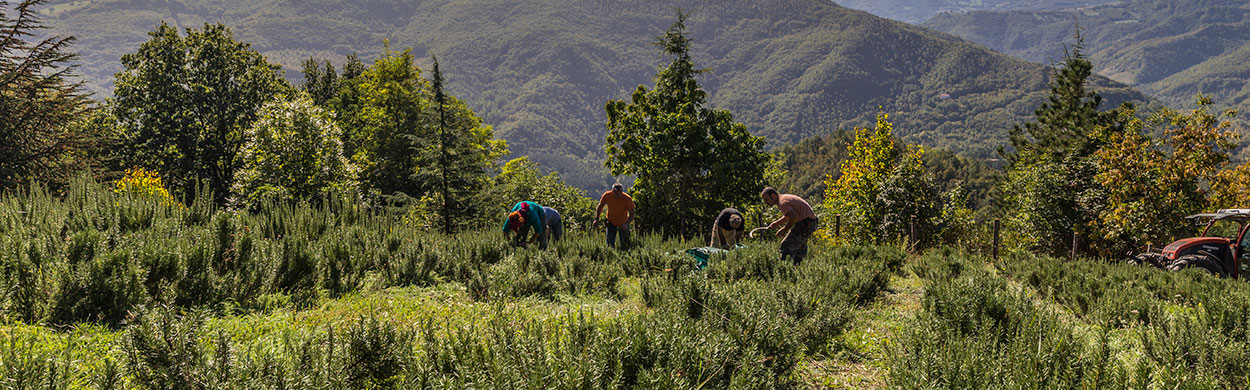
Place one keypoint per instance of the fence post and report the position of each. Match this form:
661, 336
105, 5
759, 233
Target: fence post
914, 239
996, 240
837, 227
1074, 243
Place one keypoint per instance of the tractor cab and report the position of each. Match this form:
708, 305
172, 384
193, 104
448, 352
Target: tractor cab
1223, 242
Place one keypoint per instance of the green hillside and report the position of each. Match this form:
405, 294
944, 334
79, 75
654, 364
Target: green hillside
1169, 49
540, 71
918, 11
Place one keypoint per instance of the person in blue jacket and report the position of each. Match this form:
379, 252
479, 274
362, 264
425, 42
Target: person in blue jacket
527, 215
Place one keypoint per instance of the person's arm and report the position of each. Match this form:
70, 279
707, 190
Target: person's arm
599, 211
715, 237
628, 220
785, 219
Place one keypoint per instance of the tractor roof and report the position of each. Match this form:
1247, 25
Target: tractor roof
1239, 215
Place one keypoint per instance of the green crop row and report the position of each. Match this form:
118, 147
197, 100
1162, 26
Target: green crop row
1041, 322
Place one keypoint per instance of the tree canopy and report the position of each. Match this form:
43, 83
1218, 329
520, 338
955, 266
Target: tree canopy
689, 160
183, 103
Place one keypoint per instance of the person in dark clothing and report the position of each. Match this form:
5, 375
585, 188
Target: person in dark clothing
727, 229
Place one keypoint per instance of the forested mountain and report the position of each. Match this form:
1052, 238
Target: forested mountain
918, 11
540, 71
1171, 49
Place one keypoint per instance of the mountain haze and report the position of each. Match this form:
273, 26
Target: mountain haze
541, 71
1171, 49
918, 11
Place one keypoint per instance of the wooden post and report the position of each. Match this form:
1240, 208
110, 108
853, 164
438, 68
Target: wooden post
837, 227
1074, 242
914, 240
996, 240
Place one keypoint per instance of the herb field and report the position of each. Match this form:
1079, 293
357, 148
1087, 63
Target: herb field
108, 290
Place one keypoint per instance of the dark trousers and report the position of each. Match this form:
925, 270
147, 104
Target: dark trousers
795, 243
613, 231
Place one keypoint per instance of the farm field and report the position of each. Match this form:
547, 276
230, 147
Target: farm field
106, 290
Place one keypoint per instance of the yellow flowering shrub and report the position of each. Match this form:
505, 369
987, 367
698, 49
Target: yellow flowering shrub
142, 182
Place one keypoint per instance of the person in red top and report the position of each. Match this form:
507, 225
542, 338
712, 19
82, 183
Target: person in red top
620, 213
799, 221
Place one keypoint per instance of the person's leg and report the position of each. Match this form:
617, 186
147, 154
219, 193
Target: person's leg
790, 246
611, 235
557, 230
542, 238
803, 232
715, 236
624, 238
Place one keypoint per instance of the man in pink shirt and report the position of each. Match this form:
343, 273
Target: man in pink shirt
799, 221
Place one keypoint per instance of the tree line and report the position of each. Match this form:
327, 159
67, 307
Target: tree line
208, 113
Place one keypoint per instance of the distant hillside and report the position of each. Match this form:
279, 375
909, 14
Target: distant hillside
918, 11
540, 71
1171, 49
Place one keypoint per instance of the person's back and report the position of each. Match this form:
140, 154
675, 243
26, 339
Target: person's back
795, 207
727, 228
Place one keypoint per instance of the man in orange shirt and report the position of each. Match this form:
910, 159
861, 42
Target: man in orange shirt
799, 221
620, 214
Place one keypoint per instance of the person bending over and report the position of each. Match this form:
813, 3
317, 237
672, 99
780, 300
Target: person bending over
798, 221
727, 229
524, 216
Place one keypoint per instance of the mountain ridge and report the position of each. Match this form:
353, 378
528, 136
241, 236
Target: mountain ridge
1171, 49
540, 71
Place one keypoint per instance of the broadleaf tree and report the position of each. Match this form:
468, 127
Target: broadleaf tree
881, 188
293, 152
184, 102
409, 142
1153, 183
688, 160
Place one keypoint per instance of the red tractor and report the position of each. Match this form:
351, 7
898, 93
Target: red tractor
1220, 249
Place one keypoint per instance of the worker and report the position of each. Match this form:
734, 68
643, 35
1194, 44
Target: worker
524, 216
798, 222
727, 229
620, 213
555, 227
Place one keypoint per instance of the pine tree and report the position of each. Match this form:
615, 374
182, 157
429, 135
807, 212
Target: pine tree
689, 160
37, 102
441, 100
1050, 191
1067, 121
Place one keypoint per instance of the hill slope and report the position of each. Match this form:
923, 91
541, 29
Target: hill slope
1171, 49
541, 71
918, 11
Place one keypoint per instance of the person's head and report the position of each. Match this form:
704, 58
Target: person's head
769, 195
515, 220
735, 221
618, 189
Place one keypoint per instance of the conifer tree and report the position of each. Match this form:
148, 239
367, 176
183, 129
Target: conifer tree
37, 101
689, 160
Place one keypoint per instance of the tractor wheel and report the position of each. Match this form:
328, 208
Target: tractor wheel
1152, 259
1205, 262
